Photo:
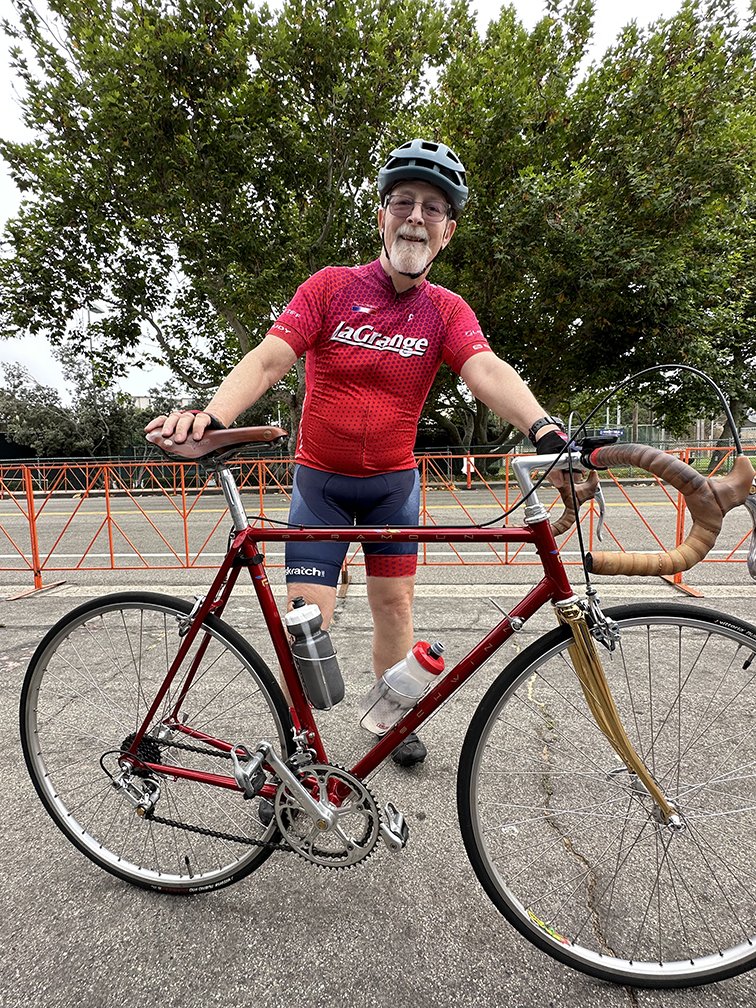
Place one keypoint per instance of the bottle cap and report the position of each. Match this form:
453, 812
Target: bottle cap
302, 613
429, 656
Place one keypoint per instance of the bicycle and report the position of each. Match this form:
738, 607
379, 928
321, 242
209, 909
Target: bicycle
606, 787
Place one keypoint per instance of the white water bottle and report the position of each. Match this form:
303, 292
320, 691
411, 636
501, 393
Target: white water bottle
314, 655
401, 686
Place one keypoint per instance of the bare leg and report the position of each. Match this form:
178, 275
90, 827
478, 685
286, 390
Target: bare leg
391, 605
323, 596
390, 600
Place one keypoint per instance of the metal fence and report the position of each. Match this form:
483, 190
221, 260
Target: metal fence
159, 515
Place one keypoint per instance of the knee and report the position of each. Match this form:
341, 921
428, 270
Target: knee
395, 609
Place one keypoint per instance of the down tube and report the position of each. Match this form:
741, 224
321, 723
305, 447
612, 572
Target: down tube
455, 678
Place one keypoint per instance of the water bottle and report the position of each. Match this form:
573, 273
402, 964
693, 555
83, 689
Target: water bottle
401, 686
314, 655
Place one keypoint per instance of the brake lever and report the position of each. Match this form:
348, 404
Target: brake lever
598, 496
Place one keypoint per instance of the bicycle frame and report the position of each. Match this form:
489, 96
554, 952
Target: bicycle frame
244, 552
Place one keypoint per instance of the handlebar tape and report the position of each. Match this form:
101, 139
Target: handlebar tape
708, 501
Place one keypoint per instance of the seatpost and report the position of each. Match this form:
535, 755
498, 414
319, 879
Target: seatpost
232, 495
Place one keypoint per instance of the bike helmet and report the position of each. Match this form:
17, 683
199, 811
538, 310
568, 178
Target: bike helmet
430, 162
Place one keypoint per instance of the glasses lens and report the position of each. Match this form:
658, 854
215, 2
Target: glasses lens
402, 206
434, 211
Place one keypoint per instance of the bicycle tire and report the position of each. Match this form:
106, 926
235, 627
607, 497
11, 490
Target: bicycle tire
89, 685
563, 839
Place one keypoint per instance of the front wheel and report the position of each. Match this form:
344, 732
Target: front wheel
89, 686
568, 843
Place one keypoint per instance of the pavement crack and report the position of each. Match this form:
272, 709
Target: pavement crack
549, 735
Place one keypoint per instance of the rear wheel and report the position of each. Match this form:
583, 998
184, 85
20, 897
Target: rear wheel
567, 842
88, 688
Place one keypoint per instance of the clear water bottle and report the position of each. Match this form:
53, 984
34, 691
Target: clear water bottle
314, 655
401, 686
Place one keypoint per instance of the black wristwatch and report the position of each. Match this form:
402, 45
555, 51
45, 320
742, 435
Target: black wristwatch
545, 421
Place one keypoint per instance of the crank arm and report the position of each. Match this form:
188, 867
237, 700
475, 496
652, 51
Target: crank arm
321, 813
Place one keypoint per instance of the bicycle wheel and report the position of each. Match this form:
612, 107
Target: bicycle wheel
569, 845
89, 686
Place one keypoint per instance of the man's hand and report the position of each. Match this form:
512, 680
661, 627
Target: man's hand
551, 442
179, 424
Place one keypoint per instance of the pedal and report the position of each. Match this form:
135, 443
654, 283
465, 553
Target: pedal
394, 830
249, 774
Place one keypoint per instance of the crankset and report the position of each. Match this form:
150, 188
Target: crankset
339, 828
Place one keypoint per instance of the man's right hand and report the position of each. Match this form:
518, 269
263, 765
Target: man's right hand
179, 424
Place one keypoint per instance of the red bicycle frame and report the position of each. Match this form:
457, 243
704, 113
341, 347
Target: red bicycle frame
244, 552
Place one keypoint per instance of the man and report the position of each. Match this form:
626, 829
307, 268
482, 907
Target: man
374, 337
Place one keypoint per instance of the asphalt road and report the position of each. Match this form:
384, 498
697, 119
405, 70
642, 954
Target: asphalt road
413, 929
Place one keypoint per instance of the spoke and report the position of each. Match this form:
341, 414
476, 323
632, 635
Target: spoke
94, 690
572, 837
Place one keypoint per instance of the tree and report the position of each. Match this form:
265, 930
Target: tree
33, 415
602, 203
198, 159
99, 422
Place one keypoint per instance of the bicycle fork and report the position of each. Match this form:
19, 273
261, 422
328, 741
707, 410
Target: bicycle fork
598, 695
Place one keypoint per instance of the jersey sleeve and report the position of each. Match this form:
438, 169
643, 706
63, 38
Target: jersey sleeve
463, 338
302, 319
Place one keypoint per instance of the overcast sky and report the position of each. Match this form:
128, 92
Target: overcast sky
611, 16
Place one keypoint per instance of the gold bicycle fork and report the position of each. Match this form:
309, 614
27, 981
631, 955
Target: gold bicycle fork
598, 695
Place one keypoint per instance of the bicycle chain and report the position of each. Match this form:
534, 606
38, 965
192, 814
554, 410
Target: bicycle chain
165, 743
250, 841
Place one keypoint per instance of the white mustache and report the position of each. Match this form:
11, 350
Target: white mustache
407, 231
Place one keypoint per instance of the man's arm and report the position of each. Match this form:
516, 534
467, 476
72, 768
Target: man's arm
251, 378
498, 385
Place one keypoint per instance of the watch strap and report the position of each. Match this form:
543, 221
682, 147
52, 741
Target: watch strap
545, 421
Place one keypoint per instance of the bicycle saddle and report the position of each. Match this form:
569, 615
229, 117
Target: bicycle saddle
216, 442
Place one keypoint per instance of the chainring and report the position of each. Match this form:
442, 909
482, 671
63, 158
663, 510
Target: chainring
356, 829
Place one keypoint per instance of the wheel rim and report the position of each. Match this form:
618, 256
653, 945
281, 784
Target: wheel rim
89, 689
569, 846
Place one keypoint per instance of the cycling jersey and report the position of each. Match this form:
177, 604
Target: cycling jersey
372, 355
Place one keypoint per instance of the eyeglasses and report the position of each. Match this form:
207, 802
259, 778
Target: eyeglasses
433, 210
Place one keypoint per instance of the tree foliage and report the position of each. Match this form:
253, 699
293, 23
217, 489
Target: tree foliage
607, 224
196, 159
97, 423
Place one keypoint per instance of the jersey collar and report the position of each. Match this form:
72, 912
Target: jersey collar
385, 281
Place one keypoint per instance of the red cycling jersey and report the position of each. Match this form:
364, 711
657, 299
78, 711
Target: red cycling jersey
372, 355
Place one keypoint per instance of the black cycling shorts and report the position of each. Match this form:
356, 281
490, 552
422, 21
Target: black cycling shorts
321, 499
